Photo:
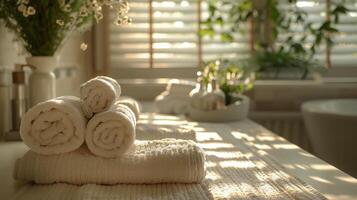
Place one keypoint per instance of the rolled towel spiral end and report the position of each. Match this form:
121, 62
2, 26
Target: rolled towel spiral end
54, 126
99, 94
111, 133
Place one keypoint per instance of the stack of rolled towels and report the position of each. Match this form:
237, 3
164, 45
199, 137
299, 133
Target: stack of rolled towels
95, 139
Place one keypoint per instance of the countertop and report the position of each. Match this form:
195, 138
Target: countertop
325, 178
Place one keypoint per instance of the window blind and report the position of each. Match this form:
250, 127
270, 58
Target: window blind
344, 50
164, 35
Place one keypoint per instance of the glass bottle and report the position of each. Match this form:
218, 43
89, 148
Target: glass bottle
197, 93
214, 99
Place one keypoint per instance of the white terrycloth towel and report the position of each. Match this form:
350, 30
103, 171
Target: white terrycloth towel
175, 99
158, 161
99, 94
54, 126
111, 133
157, 132
132, 104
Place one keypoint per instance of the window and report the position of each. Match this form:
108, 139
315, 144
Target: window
163, 40
344, 51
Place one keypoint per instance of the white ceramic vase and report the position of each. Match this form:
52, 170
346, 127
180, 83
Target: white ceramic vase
42, 81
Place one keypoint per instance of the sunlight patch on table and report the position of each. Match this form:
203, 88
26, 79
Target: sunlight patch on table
266, 138
348, 179
224, 154
240, 164
324, 167
213, 176
225, 191
321, 180
240, 135
207, 136
216, 145
285, 146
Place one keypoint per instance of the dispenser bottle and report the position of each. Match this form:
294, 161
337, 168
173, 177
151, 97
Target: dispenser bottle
18, 102
214, 99
197, 93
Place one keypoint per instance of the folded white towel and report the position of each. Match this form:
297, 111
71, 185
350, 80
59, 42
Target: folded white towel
99, 94
112, 132
132, 104
159, 161
175, 99
54, 126
157, 132
172, 104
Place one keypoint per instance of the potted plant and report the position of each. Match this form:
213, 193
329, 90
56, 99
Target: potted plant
222, 78
275, 47
285, 65
42, 26
234, 77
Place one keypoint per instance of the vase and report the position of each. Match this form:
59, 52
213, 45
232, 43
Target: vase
42, 81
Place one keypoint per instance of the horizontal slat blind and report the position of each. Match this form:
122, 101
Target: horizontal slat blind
175, 39
344, 51
214, 48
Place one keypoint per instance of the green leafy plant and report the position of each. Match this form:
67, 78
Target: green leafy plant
280, 61
233, 77
42, 25
278, 41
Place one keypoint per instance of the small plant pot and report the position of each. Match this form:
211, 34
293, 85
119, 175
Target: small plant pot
236, 111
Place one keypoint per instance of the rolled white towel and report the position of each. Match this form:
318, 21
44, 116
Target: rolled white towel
112, 132
159, 161
157, 132
54, 126
132, 104
99, 94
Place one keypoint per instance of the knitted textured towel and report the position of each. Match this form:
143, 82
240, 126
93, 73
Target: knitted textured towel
157, 132
99, 94
159, 161
111, 133
54, 126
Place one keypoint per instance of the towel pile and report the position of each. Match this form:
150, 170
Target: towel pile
92, 139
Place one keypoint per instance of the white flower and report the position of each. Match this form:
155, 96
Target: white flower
61, 2
31, 10
21, 8
83, 11
84, 46
25, 1
67, 8
25, 14
60, 22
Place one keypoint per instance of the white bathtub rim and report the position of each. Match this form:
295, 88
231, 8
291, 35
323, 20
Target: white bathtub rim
326, 107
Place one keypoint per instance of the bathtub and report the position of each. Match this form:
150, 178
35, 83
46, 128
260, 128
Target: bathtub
332, 130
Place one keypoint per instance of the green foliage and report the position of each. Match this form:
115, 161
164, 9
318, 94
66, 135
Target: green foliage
233, 77
282, 21
275, 62
286, 50
43, 32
